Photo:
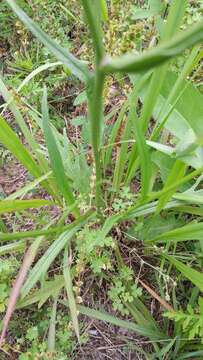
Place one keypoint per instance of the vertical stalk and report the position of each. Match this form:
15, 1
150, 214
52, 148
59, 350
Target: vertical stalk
95, 99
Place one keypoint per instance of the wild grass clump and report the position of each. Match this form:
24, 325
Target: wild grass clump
139, 178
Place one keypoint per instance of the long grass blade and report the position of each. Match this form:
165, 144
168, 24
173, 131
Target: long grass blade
55, 158
78, 68
193, 275
19, 205
177, 171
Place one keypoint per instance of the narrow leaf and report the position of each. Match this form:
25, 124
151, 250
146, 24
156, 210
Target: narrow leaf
193, 275
78, 68
55, 157
11, 141
193, 231
19, 205
157, 56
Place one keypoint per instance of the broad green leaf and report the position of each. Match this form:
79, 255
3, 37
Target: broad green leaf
11, 142
78, 68
80, 99
172, 25
176, 91
69, 290
55, 158
19, 205
195, 197
188, 108
157, 79
193, 275
192, 231
157, 56
155, 5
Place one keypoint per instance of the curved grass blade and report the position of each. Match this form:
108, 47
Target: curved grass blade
55, 157
36, 72
193, 275
131, 63
78, 68
29, 187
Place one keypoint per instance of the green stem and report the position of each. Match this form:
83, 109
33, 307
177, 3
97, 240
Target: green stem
95, 106
95, 99
93, 16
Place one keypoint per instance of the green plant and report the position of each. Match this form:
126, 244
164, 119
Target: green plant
123, 292
191, 321
144, 153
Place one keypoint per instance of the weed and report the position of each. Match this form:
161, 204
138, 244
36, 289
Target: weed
153, 146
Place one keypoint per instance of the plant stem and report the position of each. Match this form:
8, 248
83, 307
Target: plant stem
95, 106
95, 99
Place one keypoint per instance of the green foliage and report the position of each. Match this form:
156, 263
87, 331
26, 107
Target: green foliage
191, 321
6, 272
123, 291
94, 251
139, 173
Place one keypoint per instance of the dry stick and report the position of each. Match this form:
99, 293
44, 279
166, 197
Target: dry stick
156, 296
15, 292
